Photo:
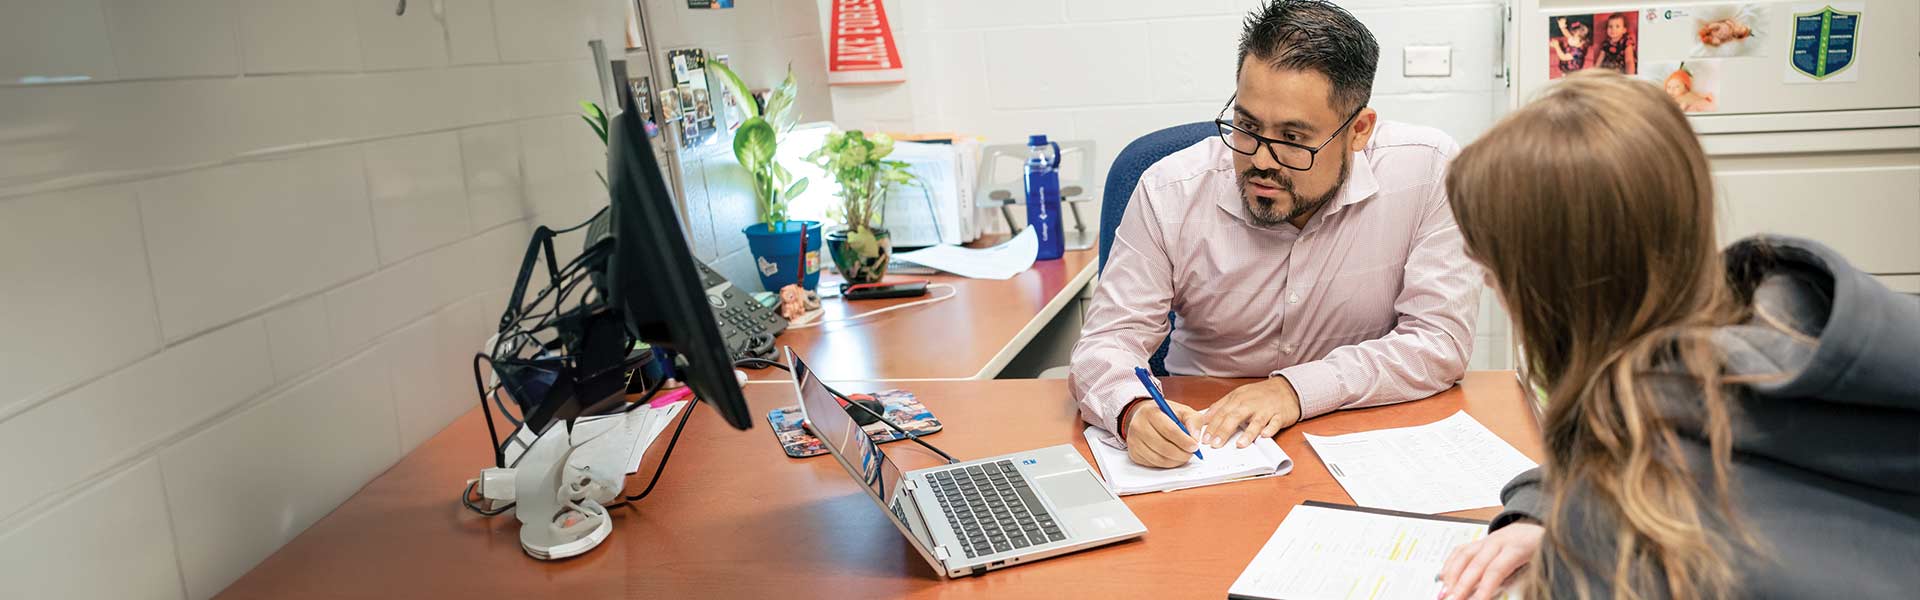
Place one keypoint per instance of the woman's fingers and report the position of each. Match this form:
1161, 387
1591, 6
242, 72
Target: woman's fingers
1504, 564
1471, 574
1456, 560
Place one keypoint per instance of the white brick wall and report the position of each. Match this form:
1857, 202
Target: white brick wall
1114, 70
246, 249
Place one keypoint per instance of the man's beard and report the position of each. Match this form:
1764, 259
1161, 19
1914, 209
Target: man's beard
1260, 210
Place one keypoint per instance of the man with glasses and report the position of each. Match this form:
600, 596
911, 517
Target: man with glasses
1309, 243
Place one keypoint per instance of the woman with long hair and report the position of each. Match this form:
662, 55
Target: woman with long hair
1718, 424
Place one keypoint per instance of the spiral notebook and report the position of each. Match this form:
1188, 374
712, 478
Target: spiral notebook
1262, 458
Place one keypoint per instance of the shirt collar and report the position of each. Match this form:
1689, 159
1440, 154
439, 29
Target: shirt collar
1360, 186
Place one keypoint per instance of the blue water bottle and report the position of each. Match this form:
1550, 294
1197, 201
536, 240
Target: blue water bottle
1043, 196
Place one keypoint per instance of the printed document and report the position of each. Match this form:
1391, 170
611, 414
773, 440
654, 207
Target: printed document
999, 262
1451, 464
1323, 551
607, 439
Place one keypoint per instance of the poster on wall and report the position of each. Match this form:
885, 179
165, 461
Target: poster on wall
709, 4
1694, 85
1824, 38
1593, 41
1711, 31
1729, 30
860, 48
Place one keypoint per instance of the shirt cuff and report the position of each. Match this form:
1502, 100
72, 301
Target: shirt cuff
1116, 436
1317, 384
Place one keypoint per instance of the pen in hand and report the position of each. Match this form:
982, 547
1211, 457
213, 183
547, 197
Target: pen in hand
1146, 379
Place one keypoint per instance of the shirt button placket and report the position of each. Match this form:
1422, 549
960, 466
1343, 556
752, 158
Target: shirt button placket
1293, 296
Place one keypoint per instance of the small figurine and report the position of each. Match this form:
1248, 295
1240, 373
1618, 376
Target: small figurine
798, 305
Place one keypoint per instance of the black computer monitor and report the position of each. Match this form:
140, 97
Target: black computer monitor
651, 275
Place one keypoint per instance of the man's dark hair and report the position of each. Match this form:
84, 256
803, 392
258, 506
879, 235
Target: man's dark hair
1314, 35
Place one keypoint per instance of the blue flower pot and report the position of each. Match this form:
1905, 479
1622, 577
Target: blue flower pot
777, 255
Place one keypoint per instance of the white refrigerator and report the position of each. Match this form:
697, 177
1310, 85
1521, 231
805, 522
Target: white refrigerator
1810, 111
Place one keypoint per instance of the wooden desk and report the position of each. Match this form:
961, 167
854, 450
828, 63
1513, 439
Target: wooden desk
970, 336
733, 517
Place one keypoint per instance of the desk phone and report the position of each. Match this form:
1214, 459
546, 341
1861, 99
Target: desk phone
746, 325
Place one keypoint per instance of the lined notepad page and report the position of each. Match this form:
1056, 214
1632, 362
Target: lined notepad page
1262, 458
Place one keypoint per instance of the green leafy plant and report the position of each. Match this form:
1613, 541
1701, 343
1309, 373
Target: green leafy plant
757, 141
857, 161
597, 119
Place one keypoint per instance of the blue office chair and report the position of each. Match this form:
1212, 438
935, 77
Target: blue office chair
1121, 179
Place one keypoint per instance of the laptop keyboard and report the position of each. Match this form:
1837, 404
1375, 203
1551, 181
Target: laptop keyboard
993, 508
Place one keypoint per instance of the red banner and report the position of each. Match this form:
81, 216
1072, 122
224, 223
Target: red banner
860, 48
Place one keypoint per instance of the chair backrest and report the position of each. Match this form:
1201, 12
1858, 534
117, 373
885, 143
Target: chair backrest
1124, 176
1134, 160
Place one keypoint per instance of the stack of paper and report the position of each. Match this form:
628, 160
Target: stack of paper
1262, 458
610, 437
940, 209
620, 439
999, 262
1322, 551
1451, 464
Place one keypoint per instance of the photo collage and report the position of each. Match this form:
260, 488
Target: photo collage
1681, 48
691, 97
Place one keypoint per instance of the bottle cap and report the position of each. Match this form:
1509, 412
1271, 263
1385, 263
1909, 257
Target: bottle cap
1037, 140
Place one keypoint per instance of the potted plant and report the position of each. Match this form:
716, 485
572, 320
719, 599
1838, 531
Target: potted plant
857, 161
784, 251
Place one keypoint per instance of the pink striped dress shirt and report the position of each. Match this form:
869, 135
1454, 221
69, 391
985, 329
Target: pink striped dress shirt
1371, 303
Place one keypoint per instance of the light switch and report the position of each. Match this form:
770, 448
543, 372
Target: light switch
1428, 61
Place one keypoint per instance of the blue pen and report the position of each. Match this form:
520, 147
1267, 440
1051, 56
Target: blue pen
1146, 379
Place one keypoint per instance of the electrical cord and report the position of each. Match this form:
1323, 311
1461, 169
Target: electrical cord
466, 499
951, 292
466, 496
762, 362
661, 467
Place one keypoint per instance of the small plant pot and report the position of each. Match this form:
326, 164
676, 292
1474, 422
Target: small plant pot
861, 257
777, 255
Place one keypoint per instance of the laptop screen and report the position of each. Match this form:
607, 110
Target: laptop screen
830, 421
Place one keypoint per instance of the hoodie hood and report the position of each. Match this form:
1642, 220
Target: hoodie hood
1839, 396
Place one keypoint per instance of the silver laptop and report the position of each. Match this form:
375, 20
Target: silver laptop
971, 517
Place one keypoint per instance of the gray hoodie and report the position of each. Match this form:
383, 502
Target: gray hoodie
1826, 456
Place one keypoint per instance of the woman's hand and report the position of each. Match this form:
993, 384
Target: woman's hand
1479, 569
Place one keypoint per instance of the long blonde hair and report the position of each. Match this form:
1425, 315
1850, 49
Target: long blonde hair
1592, 209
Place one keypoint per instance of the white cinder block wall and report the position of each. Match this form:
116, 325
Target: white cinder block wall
1114, 70
246, 250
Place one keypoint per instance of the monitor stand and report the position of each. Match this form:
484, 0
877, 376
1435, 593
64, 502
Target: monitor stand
1079, 238
558, 519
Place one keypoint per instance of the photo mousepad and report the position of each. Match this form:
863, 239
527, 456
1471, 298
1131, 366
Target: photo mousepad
901, 408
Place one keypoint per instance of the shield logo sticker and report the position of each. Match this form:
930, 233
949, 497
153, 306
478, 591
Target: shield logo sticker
1823, 42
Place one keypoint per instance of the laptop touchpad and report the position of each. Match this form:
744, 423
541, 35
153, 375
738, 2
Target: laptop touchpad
1074, 489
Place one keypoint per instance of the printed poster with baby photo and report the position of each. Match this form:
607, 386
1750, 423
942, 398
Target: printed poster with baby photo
1608, 40
1729, 30
1712, 31
1693, 85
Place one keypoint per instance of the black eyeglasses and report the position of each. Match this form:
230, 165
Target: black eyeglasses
1288, 154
